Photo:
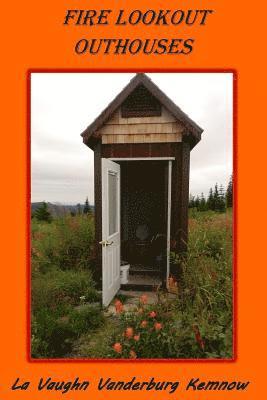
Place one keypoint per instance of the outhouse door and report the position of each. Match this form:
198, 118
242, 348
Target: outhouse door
110, 230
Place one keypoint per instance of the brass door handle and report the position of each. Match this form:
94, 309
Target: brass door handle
105, 243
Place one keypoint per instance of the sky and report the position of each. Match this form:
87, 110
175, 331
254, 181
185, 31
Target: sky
64, 104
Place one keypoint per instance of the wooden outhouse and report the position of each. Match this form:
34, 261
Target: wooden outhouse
141, 143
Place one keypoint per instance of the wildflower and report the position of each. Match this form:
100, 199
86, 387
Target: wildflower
82, 299
129, 332
157, 326
136, 337
118, 306
198, 337
133, 354
171, 281
144, 324
117, 347
152, 314
143, 299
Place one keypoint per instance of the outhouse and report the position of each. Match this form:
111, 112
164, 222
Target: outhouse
141, 143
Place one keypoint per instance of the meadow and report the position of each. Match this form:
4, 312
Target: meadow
194, 321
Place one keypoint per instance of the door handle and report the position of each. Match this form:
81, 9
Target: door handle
105, 243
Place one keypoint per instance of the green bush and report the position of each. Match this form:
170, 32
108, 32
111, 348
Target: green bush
58, 317
52, 336
60, 289
205, 297
66, 243
155, 331
86, 318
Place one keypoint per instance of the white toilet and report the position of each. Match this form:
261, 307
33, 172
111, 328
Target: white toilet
124, 273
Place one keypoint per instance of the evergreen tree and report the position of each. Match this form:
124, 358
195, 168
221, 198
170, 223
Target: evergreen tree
221, 202
191, 201
210, 201
78, 209
216, 198
42, 213
197, 202
229, 193
202, 203
86, 209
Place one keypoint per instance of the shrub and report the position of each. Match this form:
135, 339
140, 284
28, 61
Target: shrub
60, 289
67, 243
56, 324
52, 336
205, 297
147, 332
87, 317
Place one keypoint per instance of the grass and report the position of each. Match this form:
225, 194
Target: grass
197, 321
67, 320
65, 303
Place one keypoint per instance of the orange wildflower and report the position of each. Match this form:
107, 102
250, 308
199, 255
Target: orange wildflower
157, 326
152, 314
198, 337
129, 332
133, 354
118, 306
144, 324
136, 337
117, 347
171, 281
143, 299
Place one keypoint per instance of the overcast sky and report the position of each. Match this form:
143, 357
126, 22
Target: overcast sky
64, 104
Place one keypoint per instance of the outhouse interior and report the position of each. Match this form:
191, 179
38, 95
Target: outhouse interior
150, 138
144, 211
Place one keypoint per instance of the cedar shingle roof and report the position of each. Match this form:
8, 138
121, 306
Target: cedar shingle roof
193, 131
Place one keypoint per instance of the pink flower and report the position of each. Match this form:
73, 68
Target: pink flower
117, 347
136, 337
129, 332
152, 314
157, 326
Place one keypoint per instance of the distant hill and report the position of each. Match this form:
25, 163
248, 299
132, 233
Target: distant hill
58, 210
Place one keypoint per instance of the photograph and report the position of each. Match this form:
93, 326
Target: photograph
131, 215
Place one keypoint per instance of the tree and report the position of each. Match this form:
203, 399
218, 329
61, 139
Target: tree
210, 201
191, 201
216, 198
221, 202
42, 213
229, 193
197, 202
86, 209
202, 204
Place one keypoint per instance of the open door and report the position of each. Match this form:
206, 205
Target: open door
110, 230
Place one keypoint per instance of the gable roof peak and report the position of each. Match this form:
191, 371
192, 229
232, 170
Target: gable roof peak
193, 130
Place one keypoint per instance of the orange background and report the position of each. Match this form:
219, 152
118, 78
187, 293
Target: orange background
33, 36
